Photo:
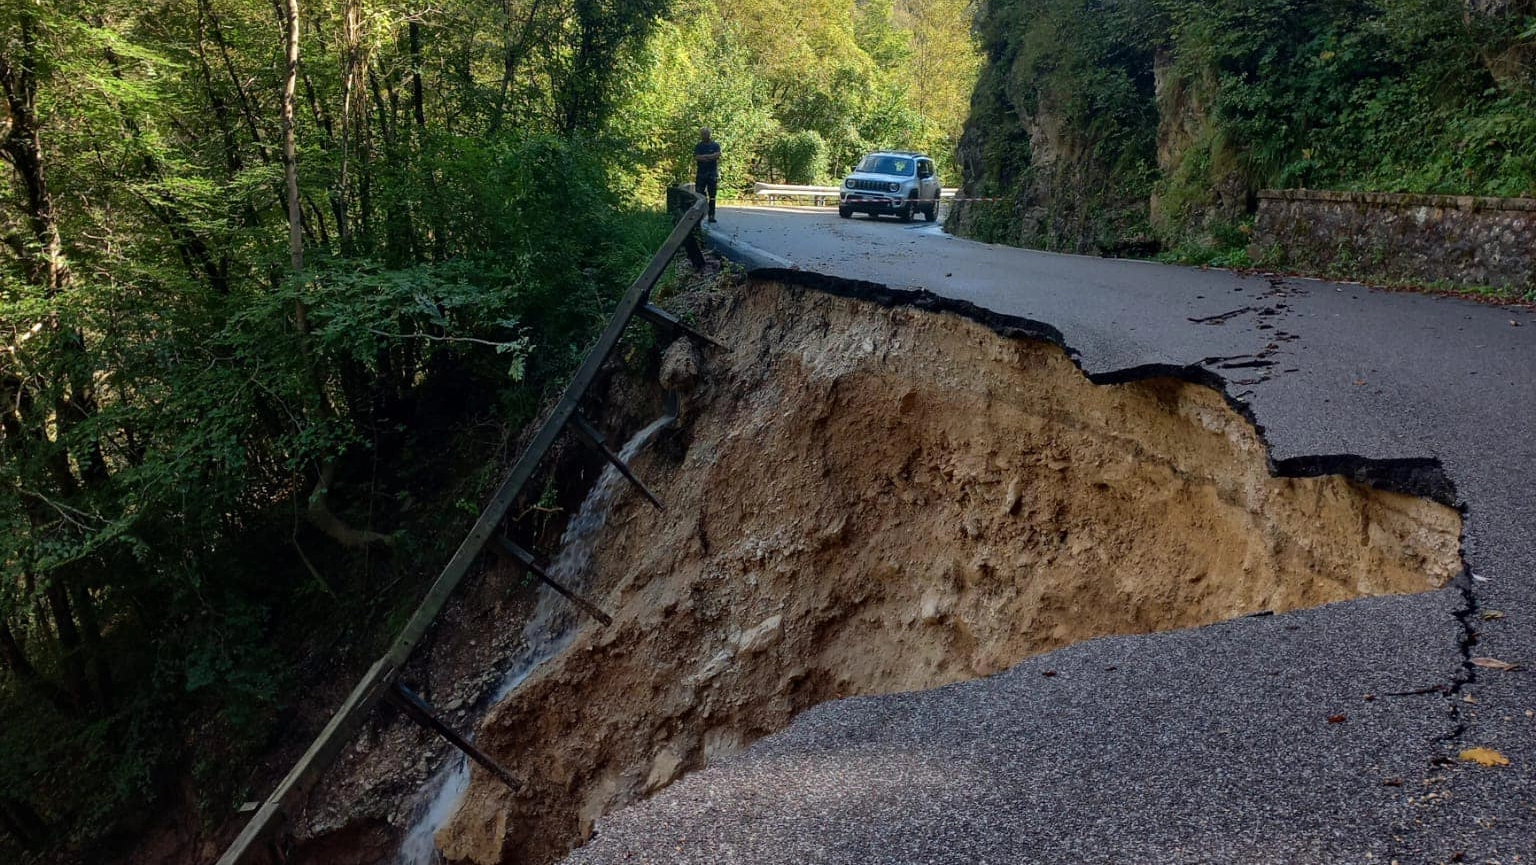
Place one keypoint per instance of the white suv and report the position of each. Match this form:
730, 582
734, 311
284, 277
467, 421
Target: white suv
891, 181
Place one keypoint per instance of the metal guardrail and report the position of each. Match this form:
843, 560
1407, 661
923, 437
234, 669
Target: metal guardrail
379, 682
818, 194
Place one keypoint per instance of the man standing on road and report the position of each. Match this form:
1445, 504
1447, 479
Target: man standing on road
707, 176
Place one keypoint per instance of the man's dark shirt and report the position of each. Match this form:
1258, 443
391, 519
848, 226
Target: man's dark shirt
709, 170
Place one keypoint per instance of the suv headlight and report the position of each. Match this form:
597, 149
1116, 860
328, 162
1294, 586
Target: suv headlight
848, 183
893, 186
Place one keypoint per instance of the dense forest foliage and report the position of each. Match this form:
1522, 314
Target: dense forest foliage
280, 284
1107, 123
798, 91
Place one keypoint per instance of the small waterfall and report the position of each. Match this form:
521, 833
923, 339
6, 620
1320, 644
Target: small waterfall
547, 633
438, 797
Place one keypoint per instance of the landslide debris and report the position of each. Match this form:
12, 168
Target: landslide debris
864, 499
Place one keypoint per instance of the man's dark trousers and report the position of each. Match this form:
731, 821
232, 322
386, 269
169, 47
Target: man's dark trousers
708, 186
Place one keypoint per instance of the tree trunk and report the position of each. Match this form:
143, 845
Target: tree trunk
246, 108
418, 106
291, 157
23, 148
74, 401
222, 114
353, 134
71, 658
14, 656
90, 629
512, 56
319, 511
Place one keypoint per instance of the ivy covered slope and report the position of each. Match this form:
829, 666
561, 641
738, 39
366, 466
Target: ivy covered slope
1125, 125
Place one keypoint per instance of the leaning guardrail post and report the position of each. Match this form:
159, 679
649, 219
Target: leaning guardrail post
589, 434
670, 323
414, 707
679, 199
528, 563
380, 678
695, 251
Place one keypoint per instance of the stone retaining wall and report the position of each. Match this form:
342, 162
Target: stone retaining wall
1458, 239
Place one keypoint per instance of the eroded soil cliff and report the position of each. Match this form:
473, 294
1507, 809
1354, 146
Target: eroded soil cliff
865, 499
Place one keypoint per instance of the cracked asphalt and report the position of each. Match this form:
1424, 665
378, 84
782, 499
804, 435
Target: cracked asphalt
1212, 745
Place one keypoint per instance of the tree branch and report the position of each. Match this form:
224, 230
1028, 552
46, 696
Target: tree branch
320, 515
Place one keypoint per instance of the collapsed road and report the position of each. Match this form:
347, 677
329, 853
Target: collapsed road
937, 583
1341, 733
866, 499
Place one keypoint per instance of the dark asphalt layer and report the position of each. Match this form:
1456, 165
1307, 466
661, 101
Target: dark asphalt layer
1210, 745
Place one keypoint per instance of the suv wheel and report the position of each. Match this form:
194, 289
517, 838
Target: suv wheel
932, 212
844, 212
904, 212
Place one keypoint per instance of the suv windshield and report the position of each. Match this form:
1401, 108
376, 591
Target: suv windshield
876, 163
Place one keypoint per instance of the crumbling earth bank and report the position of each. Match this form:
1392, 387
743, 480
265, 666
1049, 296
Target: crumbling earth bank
865, 500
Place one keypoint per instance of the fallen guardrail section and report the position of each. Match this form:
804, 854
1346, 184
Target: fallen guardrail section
263, 834
819, 195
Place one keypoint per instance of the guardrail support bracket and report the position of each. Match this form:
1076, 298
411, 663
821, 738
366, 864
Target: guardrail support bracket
589, 433
666, 321
695, 252
531, 565
416, 709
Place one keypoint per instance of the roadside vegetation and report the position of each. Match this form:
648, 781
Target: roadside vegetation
280, 285
1152, 122
797, 92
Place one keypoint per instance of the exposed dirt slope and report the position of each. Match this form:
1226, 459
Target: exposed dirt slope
864, 500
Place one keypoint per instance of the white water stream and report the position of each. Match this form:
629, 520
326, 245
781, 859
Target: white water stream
546, 634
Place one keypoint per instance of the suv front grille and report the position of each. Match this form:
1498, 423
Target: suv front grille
871, 185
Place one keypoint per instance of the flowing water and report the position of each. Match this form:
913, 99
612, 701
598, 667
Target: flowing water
546, 634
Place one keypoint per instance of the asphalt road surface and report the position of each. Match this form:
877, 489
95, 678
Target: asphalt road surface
1209, 745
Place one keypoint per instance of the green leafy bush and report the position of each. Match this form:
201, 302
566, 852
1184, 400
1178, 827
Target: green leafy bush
800, 157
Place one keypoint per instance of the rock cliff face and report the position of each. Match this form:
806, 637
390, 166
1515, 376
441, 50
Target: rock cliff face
1201, 185
1124, 126
1510, 64
1061, 137
1153, 171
